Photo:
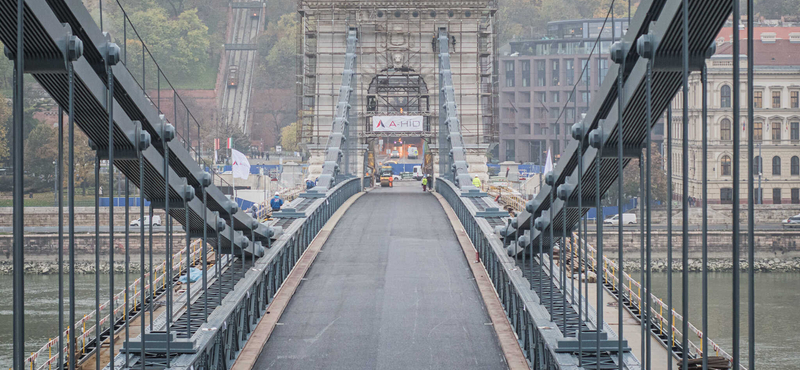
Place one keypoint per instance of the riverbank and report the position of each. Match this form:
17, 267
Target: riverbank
720, 265
81, 268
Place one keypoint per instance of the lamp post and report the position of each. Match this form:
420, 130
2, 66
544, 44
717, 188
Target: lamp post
760, 199
55, 183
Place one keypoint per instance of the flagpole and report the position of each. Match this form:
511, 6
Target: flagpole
233, 178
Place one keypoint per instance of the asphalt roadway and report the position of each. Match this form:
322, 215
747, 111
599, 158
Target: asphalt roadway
390, 289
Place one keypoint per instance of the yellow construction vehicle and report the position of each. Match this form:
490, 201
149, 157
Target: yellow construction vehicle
387, 176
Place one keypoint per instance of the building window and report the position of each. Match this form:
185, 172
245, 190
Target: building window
571, 96
757, 165
556, 72
726, 165
758, 196
757, 100
555, 96
587, 76
725, 97
509, 73
586, 96
776, 165
525, 66
569, 69
541, 97
757, 132
541, 73
725, 129
776, 99
726, 195
554, 115
776, 195
570, 112
510, 150
602, 66
795, 99
795, 130
776, 131
795, 166
796, 196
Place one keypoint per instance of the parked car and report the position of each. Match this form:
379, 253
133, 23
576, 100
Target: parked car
627, 219
793, 221
156, 221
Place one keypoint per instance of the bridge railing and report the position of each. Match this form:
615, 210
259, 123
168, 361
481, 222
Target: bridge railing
228, 327
50, 351
632, 292
521, 304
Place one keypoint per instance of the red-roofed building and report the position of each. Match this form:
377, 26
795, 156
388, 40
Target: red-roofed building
779, 33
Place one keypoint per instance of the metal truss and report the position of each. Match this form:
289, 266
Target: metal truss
451, 142
337, 151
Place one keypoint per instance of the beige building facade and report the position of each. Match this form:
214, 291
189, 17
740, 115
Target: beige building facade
776, 124
397, 71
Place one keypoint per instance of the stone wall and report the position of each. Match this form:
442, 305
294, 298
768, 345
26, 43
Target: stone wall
84, 216
782, 244
45, 246
722, 213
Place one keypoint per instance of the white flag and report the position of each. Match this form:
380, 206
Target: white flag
241, 166
548, 165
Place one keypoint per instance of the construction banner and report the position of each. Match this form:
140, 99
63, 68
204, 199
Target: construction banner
397, 123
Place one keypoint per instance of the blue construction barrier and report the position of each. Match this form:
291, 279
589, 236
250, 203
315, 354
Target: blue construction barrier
245, 205
256, 169
120, 202
525, 170
403, 167
612, 210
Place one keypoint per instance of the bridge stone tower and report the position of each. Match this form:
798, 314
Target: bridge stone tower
397, 71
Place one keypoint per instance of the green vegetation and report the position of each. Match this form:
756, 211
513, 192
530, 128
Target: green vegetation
775, 9
526, 19
277, 47
630, 188
47, 199
289, 137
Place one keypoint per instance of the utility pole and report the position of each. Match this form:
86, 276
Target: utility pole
760, 199
55, 183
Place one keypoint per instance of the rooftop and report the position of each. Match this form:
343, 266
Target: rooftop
777, 53
781, 33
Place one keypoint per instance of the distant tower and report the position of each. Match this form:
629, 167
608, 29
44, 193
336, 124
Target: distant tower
397, 68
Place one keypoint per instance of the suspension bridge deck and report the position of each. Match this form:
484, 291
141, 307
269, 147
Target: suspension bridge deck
389, 290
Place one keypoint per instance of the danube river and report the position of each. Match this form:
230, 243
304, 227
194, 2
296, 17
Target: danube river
777, 312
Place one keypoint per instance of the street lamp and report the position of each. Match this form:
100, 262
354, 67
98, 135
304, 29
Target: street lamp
760, 199
55, 183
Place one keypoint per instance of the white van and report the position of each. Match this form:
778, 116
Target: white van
627, 219
156, 221
418, 173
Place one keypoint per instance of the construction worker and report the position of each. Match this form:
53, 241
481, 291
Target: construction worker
276, 202
424, 184
476, 182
